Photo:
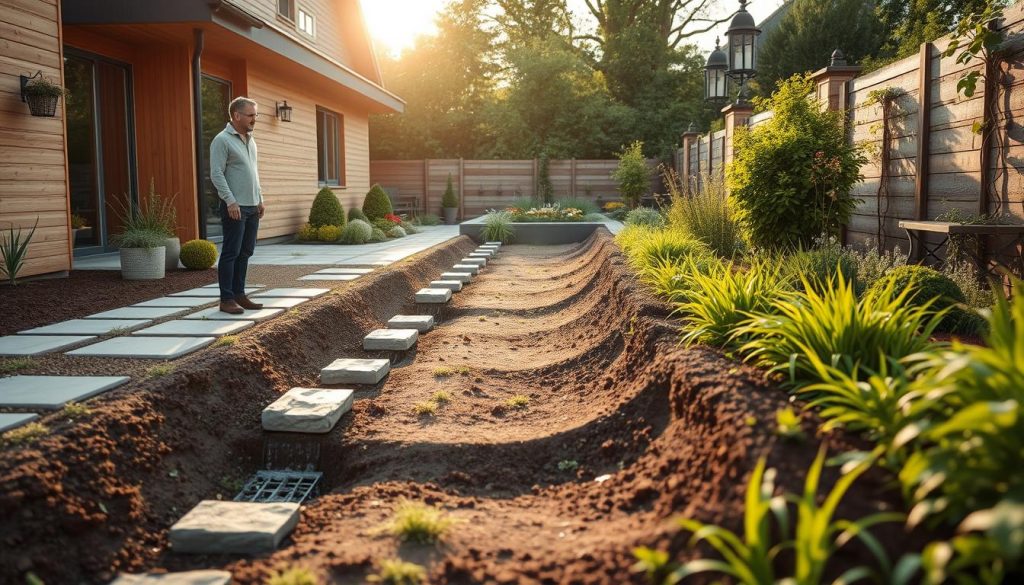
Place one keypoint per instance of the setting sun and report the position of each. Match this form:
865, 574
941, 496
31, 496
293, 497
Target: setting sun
395, 24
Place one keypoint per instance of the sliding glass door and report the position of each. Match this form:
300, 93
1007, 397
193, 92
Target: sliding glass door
216, 97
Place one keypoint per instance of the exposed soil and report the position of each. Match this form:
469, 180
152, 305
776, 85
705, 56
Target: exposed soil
609, 388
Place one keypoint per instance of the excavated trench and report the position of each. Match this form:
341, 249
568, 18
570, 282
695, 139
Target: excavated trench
623, 431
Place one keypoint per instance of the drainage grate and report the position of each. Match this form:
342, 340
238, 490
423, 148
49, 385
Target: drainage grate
280, 486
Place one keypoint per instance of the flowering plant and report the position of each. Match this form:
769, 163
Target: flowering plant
549, 212
393, 218
613, 205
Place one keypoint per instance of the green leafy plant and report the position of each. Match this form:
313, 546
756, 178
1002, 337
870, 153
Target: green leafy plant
14, 251
632, 173
418, 522
872, 264
159, 371
356, 213
645, 216
356, 231
225, 341
787, 424
441, 397
449, 200
198, 254
43, 87
307, 233
974, 38
328, 233
545, 191
157, 214
666, 245
705, 214
396, 232
568, 465
25, 434
141, 238
820, 265
78, 222
427, 219
293, 576
585, 205
926, 285
377, 204
73, 410
426, 408
518, 401
378, 235
10, 366
326, 210
498, 227
398, 572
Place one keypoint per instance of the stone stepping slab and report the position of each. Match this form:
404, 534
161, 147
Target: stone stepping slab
463, 277
433, 295
160, 348
355, 371
215, 314
453, 285
233, 527
305, 293
473, 269
30, 345
185, 302
9, 421
390, 339
195, 328
481, 253
421, 323
324, 277
209, 291
88, 327
281, 303
138, 313
493, 244
53, 392
481, 262
307, 410
216, 285
344, 271
494, 247
183, 578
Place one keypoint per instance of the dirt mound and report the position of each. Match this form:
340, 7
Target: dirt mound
622, 430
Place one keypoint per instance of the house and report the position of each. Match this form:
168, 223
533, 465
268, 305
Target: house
149, 84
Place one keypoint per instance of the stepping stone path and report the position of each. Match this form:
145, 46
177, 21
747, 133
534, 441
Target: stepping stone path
215, 314
281, 303
344, 271
472, 269
433, 295
463, 277
87, 327
391, 339
484, 255
322, 277
307, 410
139, 313
247, 287
209, 291
481, 262
184, 578
30, 345
233, 527
161, 348
186, 302
304, 293
9, 421
421, 323
498, 244
453, 285
195, 328
355, 371
53, 392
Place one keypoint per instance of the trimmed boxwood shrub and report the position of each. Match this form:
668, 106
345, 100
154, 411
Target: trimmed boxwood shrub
378, 235
356, 232
307, 233
383, 225
198, 254
326, 210
377, 204
356, 213
328, 233
396, 232
928, 284
645, 216
449, 199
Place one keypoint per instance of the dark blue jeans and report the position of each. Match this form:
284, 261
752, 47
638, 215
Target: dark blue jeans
239, 244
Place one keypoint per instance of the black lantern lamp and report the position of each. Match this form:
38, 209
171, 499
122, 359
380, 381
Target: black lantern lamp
742, 46
284, 111
716, 76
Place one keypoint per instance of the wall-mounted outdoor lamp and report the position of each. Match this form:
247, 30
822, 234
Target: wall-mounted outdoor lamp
40, 94
737, 63
284, 111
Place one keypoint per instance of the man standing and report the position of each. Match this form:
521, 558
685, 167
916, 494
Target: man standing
233, 173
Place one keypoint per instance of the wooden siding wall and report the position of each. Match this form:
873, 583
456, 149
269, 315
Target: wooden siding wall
33, 162
494, 184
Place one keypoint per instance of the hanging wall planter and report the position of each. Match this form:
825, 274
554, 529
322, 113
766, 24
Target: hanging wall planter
41, 95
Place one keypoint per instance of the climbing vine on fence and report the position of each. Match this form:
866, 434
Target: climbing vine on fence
886, 98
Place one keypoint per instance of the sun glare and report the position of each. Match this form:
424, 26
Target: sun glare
395, 24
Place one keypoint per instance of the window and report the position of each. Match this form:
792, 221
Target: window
306, 23
330, 147
286, 8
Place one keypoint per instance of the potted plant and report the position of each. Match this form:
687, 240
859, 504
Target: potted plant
450, 204
79, 226
42, 96
142, 253
160, 216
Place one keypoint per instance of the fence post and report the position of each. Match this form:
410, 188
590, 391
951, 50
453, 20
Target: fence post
535, 178
736, 115
426, 179
924, 122
462, 188
572, 177
685, 172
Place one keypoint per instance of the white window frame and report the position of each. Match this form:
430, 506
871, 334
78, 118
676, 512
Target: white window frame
305, 22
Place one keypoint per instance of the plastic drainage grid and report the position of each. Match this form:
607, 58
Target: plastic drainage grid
280, 486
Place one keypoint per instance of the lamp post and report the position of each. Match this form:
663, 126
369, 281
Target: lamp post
738, 63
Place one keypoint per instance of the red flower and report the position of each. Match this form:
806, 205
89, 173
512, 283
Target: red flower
393, 218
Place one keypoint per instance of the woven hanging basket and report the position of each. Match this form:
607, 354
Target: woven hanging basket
44, 106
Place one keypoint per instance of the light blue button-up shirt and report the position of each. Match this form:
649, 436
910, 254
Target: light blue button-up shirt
233, 168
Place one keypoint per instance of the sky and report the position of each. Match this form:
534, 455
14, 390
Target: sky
395, 24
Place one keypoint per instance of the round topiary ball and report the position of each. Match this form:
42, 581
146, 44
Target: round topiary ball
356, 213
326, 210
396, 232
356, 232
377, 204
925, 284
198, 254
378, 235
328, 233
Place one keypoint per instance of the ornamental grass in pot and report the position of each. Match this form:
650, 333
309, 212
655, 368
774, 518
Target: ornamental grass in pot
143, 253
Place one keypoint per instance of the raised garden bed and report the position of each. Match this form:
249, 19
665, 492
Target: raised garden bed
538, 232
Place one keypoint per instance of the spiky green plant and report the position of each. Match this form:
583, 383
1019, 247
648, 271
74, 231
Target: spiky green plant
398, 572
14, 251
418, 522
498, 227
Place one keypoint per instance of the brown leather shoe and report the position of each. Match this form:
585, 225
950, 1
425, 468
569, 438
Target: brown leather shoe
244, 302
231, 307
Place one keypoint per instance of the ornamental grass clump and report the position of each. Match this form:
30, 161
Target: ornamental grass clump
668, 245
925, 284
398, 572
419, 523
705, 214
498, 227
645, 216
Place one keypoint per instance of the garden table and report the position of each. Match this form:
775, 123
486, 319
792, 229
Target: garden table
1010, 240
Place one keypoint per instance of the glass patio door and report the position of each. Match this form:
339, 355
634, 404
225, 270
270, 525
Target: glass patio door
216, 97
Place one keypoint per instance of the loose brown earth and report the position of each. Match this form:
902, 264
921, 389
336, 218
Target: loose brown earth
609, 388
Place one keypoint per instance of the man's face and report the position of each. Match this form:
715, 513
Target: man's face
246, 117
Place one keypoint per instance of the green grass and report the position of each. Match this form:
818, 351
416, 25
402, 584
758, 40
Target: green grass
568, 465
446, 371
426, 408
159, 371
24, 435
419, 523
518, 401
226, 341
293, 576
119, 331
16, 365
441, 397
75, 410
398, 572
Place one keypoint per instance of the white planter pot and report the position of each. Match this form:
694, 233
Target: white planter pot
173, 250
143, 263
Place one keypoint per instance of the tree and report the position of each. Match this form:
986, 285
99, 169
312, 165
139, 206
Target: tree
908, 23
632, 174
811, 30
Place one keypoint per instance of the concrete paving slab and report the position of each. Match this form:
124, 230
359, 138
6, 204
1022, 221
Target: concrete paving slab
194, 328
209, 292
453, 285
344, 271
281, 303
160, 348
53, 392
88, 327
355, 371
325, 277
215, 314
247, 286
470, 268
482, 253
463, 277
186, 302
493, 244
489, 246
477, 261
305, 293
29, 345
138, 313
182, 578
421, 323
13, 420
390, 339
233, 527
307, 410
433, 295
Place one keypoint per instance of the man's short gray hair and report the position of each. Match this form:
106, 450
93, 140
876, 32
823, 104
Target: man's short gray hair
238, 103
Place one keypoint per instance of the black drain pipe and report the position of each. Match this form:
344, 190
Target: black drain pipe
197, 114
